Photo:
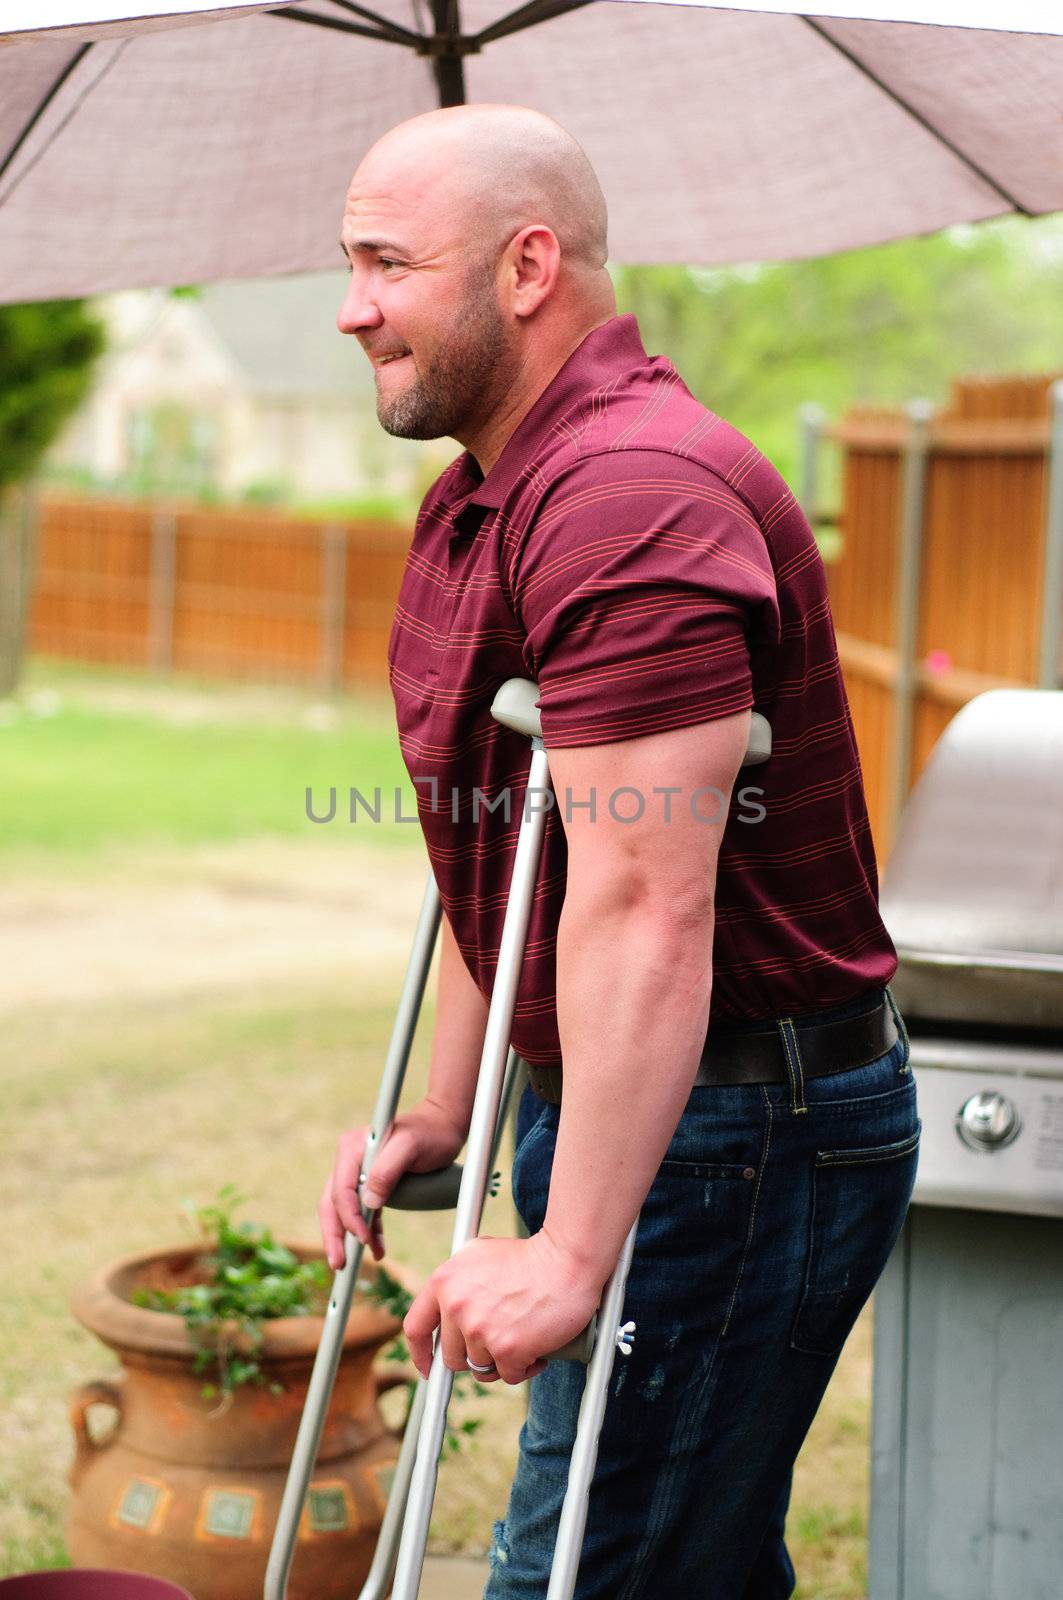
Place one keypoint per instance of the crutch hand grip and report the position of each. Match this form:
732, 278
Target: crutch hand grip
581, 1348
427, 1191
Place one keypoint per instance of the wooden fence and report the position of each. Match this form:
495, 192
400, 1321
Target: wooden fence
948, 582
236, 593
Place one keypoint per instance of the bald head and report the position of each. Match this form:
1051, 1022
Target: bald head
502, 168
476, 237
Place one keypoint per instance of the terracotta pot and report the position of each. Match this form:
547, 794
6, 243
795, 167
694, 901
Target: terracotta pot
190, 1492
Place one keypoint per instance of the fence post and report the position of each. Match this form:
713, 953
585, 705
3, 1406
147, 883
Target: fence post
914, 454
18, 553
810, 427
1052, 588
162, 585
333, 603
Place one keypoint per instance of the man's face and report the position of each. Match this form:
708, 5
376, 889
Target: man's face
423, 304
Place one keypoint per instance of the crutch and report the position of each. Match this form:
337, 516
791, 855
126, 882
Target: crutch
404, 1534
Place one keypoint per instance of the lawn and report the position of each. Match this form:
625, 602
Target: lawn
123, 1099
91, 760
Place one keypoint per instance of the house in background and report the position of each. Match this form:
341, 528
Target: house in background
243, 391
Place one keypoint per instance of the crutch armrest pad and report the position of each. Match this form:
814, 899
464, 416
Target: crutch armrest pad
758, 749
516, 706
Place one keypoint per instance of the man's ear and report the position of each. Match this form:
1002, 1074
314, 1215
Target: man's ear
532, 265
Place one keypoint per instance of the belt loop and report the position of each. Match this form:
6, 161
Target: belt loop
792, 1056
902, 1032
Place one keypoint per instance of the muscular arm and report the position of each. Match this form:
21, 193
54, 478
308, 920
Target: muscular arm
457, 1043
634, 973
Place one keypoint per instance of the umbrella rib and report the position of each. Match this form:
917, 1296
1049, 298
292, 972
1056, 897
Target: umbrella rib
41, 107
527, 16
339, 25
64, 122
918, 116
407, 35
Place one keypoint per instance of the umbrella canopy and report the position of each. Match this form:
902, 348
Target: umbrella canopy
209, 141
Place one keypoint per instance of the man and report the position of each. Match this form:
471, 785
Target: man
609, 536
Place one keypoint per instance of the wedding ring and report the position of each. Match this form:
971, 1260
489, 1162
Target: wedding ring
474, 1366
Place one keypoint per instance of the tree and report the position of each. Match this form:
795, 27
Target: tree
47, 354
878, 325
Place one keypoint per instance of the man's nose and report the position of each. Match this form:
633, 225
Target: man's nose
358, 310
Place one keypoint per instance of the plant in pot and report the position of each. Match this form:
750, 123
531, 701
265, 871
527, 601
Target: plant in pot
217, 1340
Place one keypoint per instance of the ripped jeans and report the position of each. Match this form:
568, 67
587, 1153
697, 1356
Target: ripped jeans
765, 1230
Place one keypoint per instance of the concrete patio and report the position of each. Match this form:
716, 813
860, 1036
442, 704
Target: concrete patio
453, 1578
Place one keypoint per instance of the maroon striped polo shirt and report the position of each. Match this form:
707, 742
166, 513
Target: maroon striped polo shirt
650, 568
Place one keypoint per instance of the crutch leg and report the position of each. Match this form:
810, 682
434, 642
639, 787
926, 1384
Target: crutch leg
482, 1129
378, 1580
326, 1362
611, 1336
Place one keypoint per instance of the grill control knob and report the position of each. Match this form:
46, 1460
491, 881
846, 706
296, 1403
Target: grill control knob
987, 1121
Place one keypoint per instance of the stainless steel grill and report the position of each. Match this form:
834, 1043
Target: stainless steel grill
973, 897
967, 1469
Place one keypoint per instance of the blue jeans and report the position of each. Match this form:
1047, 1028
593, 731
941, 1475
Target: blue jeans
765, 1230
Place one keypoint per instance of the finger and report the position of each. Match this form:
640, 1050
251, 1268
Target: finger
511, 1374
452, 1341
346, 1172
351, 1221
332, 1233
476, 1350
515, 1369
419, 1324
389, 1164
376, 1235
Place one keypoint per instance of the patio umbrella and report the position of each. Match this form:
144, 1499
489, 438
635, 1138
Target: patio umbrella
183, 143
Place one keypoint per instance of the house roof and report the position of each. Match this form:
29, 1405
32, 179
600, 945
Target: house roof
281, 333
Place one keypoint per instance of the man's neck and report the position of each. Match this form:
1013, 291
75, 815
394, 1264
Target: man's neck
488, 443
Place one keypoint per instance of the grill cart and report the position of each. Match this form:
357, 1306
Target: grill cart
967, 1425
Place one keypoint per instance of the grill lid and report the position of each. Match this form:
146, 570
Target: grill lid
973, 892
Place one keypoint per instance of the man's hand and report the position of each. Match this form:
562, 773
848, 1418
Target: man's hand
427, 1137
508, 1301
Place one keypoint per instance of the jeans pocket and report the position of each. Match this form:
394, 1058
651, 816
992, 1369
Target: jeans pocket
902, 1032
859, 1202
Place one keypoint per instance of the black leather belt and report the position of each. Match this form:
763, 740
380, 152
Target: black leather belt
734, 1055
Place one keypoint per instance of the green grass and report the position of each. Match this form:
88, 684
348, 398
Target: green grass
79, 773
40, 1552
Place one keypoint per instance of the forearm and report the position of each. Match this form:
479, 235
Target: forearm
634, 982
457, 1043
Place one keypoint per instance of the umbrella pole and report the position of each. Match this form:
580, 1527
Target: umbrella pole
448, 63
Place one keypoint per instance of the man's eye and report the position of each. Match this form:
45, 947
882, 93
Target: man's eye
384, 262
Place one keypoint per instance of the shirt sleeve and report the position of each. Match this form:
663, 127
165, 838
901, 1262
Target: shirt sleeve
642, 585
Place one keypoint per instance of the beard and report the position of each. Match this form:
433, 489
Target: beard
464, 376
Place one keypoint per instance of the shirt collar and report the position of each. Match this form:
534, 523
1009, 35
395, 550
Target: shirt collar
605, 353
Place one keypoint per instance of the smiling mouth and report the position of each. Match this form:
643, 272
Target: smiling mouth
399, 355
